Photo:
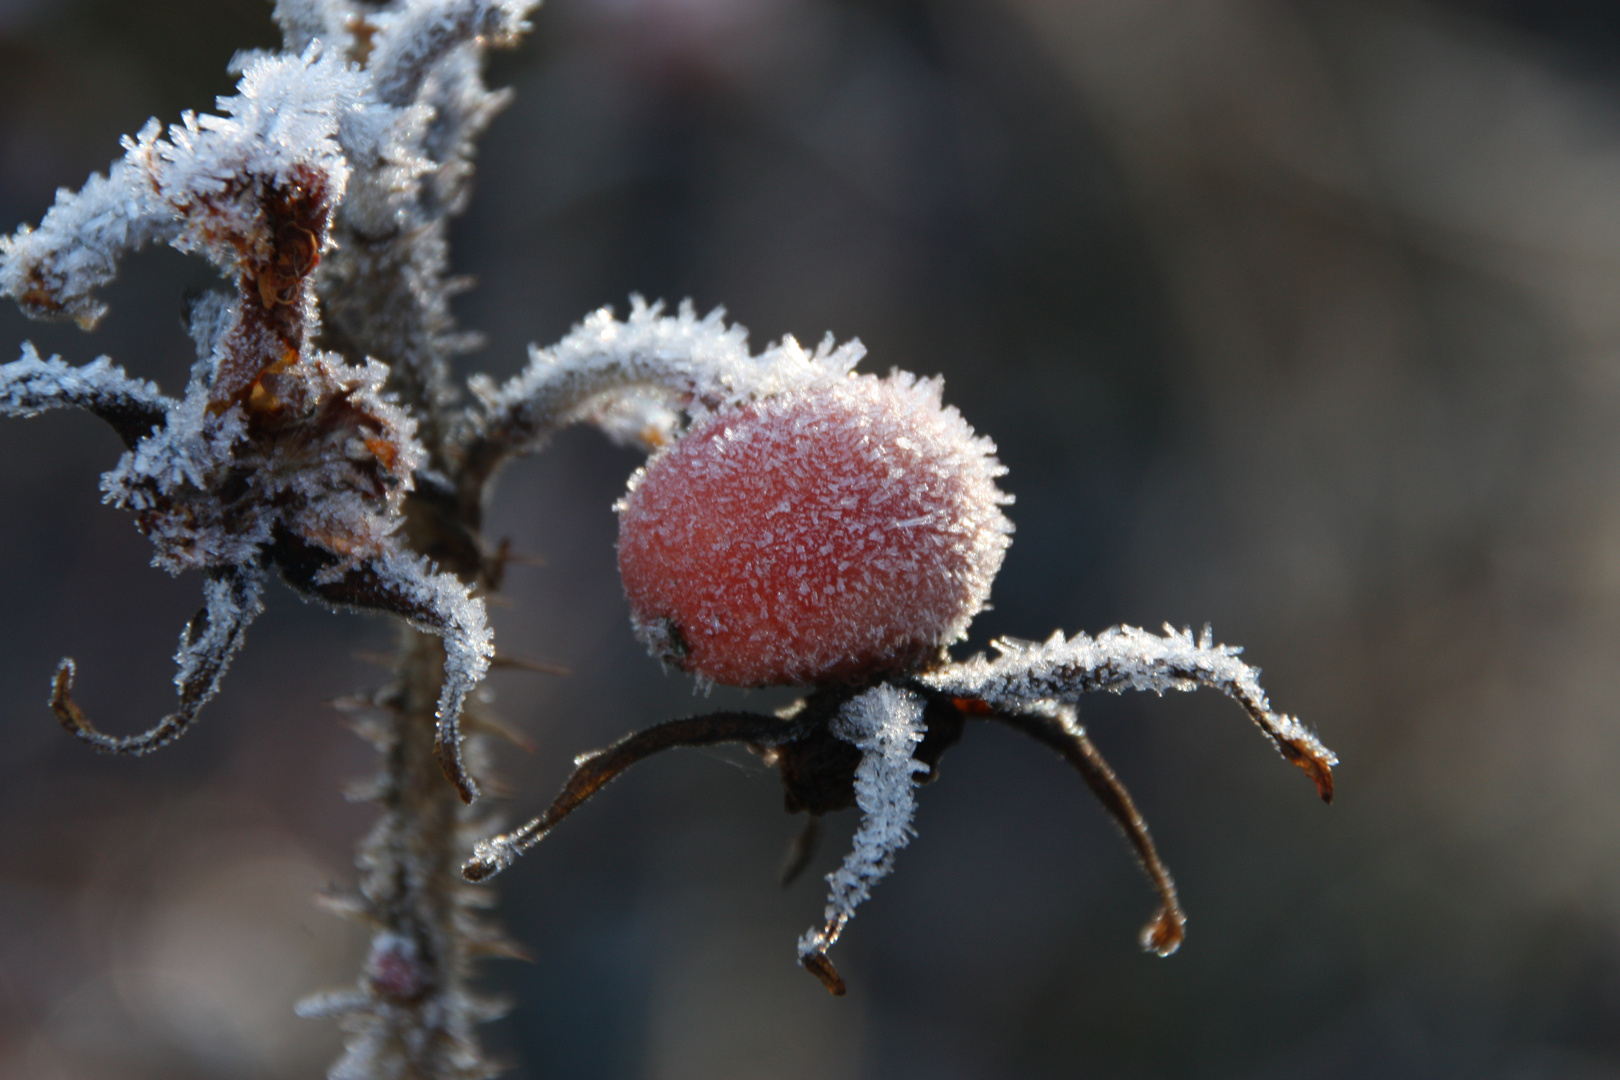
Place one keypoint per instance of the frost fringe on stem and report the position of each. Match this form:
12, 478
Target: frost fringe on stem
640, 381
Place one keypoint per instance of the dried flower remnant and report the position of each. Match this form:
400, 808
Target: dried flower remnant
331, 451
820, 528
280, 454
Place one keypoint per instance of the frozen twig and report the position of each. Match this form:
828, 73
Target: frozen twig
132, 407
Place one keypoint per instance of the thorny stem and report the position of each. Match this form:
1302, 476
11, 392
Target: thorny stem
411, 1016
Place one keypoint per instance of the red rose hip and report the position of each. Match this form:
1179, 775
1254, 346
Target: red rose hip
833, 532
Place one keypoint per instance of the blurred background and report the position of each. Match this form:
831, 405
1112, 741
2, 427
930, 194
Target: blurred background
1299, 318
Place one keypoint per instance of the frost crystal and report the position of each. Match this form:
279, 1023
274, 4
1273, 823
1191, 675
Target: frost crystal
198, 189
30, 386
885, 724
1127, 658
824, 532
692, 364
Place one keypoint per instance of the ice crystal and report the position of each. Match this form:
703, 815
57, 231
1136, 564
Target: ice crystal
199, 185
691, 364
885, 724
1127, 658
827, 531
30, 386
323, 185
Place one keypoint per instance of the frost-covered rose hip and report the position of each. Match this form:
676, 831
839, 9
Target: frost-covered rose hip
840, 530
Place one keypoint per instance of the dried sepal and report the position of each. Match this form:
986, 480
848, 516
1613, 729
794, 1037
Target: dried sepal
131, 407
409, 587
1127, 658
593, 770
233, 599
634, 378
885, 724
1058, 726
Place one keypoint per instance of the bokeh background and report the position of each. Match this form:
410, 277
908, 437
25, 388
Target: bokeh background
1300, 317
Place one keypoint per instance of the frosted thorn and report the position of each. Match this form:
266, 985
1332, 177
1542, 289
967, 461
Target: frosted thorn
233, 599
1059, 730
592, 772
799, 851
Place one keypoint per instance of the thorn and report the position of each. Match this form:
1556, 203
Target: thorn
346, 905
520, 663
371, 790
498, 946
499, 727
798, 853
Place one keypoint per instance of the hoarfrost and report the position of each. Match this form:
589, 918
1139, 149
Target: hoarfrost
186, 189
691, 364
282, 455
30, 386
440, 604
232, 599
1128, 658
885, 723
410, 42
51, 271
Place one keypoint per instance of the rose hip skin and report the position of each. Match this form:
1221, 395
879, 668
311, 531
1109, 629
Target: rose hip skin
833, 532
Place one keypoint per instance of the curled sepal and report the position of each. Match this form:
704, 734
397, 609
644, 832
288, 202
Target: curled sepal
1057, 726
233, 599
886, 725
52, 271
132, 407
592, 771
633, 379
436, 603
1127, 658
